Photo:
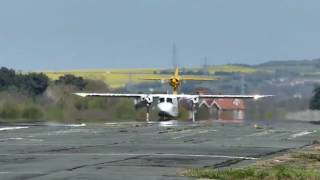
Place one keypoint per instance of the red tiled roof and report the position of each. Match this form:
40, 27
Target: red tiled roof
230, 104
224, 103
227, 104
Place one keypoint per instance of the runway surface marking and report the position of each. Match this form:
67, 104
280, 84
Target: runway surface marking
51, 124
21, 139
266, 132
8, 139
12, 128
21, 172
61, 132
132, 154
192, 134
303, 133
75, 125
179, 132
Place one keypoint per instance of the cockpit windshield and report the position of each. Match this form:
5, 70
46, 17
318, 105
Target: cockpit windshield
169, 100
161, 100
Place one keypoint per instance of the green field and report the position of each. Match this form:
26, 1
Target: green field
295, 165
117, 78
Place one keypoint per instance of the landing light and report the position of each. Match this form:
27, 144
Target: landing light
256, 97
81, 94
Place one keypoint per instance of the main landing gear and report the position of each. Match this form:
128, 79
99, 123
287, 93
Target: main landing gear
148, 112
194, 102
193, 112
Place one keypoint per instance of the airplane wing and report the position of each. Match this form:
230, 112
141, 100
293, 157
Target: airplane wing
184, 78
198, 79
154, 79
209, 96
255, 97
109, 95
184, 96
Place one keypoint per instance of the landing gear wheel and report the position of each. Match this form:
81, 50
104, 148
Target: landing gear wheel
193, 112
148, 112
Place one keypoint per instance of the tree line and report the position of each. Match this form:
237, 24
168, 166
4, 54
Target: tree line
34, 83
29, 97
30, 83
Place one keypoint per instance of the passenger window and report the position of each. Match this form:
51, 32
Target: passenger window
161, 100
169, 100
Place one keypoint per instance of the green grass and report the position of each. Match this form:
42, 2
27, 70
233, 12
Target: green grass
297, 165
307, 156
278, 172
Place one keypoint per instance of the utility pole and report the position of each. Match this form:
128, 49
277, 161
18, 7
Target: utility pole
174, 56
242, 81
205, 67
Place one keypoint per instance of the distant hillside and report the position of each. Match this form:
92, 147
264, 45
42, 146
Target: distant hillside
298, 66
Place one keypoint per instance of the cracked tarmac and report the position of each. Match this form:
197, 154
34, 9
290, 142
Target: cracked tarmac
140, 150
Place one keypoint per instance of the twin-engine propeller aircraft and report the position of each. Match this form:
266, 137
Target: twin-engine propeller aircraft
168, 104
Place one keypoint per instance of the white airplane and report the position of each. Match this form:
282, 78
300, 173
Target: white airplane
168, 104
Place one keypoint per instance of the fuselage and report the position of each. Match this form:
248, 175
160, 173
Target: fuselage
168, 106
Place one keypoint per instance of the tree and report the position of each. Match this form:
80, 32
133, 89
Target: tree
33, 83
7, 78
70, 79
315, 100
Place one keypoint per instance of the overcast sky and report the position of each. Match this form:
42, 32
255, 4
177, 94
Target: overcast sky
83, 34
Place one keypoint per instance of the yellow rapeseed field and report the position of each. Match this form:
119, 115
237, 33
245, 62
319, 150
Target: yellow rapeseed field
114, 78
117, 78
231, 68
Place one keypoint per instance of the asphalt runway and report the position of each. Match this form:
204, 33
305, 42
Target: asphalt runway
131, 150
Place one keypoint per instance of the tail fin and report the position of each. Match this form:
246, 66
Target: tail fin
176, 73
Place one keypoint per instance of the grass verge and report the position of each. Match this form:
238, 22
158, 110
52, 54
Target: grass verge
255, 173
298, 165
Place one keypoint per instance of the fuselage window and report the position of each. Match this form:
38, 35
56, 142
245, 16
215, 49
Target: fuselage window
169, 100
161, 100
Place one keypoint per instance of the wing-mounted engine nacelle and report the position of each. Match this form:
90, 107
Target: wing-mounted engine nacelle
147, 99
143, 101
195, 100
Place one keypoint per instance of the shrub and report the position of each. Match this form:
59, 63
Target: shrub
315, 101
10, 112
70, 79
32, 113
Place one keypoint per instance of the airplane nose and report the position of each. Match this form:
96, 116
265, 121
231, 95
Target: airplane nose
165, 107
